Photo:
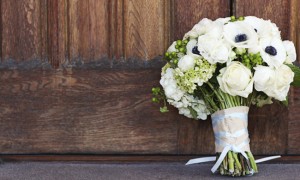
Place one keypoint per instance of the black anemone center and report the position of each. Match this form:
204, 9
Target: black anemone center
195, 50
271, 50
240, 38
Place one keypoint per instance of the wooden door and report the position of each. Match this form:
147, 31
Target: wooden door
76, 77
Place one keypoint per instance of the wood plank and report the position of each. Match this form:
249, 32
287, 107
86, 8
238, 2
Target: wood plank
88, 30
57, 32
188, 13
116, 34
83, 111
122, 158
294, 113
146, 28
195, 137
278, 11
21, 30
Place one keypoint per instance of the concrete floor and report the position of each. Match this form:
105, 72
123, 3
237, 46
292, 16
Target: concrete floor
140, 171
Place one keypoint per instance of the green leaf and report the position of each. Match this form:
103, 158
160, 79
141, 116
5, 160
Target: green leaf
193, 112
296, 70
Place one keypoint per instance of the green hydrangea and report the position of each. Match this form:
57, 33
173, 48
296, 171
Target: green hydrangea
201, 73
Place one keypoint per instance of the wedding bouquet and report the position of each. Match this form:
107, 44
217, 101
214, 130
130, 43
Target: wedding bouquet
221, 68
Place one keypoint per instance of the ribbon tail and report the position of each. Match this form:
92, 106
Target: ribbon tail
267, 159
200, 160
219, 161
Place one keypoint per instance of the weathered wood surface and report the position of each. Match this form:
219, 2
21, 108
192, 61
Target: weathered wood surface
88, 30
23, 30
145, 28
57, 46
82, 111
294, 115
188, 13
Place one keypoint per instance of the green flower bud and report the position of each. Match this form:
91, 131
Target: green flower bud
154, 99
182, 50
175, 61
179, 42
241, 18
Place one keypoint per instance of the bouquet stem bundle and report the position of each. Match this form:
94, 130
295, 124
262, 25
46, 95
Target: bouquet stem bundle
235, 164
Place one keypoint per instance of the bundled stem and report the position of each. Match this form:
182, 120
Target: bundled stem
235, 164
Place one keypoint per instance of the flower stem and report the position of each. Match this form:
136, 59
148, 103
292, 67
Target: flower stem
230, 162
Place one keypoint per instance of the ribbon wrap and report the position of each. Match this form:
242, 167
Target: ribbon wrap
231, 134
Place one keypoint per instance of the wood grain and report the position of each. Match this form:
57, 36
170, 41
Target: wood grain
88, 30
188, 13
145, 30
294, 108
195, 137
278, 11
83, 111
21, 30
57, 32
116, 25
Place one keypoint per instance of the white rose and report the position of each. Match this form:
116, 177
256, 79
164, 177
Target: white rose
290, 51
199, 29
272, 51
186, 63
274, 82
236, 79
264, 78
172, 47
223, 20
264, 29
213, 49
240, 34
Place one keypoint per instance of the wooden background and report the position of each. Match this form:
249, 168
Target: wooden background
76, 77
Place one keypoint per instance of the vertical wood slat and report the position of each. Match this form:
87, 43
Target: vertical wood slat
268, 131
22, 32
116, 25
195, 137
88, 29
188, 13
57, 32
294, 108
145, 28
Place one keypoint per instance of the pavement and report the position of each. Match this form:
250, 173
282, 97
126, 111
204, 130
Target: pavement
133, 171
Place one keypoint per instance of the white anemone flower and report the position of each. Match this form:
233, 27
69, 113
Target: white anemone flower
240, 34
214, 50
192, 48
272, 51
290, 51
264, 29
